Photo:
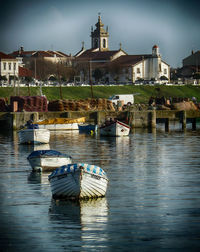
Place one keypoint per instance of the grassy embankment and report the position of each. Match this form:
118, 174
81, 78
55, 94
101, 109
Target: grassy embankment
76, 93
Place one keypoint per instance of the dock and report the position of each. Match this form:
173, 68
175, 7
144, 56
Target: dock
136, 119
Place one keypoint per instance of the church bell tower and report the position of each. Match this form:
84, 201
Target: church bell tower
99, 37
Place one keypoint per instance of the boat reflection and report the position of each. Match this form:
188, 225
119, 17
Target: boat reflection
89, 215
38, 178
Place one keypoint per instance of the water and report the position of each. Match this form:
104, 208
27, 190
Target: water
152, 201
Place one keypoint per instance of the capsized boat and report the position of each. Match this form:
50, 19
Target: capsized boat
33, 135
61, 123
48, 160
87, 128
77, 181
115, 128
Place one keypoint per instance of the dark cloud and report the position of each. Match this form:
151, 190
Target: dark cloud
63, 25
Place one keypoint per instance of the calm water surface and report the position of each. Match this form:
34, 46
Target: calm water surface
152, 202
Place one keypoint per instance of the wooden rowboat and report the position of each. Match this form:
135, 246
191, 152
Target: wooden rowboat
48, 160
77, 181
61, 123
34, 136
115, 128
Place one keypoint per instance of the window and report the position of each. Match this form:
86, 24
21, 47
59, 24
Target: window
96, 43
104, 43
14, 66
9, 66
165, 71
4, 66
138, 70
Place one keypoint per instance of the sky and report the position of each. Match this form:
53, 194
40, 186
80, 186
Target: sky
62, 25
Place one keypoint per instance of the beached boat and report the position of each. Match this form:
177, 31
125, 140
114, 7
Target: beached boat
87, 128
77, 181
115, 128
61, 123
33, 135
48, 160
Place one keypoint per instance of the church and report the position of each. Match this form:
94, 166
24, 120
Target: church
102, 65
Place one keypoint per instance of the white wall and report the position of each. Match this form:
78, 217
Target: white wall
9, 69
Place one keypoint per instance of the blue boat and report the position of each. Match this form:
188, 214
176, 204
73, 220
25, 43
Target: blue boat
87, 128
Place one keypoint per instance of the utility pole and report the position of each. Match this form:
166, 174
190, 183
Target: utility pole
90, 78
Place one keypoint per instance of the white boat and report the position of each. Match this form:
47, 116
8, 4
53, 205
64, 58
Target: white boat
77, 181
34, 136
48, 160
115, 128
61, 123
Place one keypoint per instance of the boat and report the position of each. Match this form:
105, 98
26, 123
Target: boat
87, 128
47, 160
115, 128
61, 123
33, 135
78, 181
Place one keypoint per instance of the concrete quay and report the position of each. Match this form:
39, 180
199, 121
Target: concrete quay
136, 119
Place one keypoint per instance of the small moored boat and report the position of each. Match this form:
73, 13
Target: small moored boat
61, 123
87, 128
33, 135
48, 160
77, 181
115, 128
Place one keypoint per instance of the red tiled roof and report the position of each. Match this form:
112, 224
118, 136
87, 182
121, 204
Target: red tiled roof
25, 72
5, 56
38, 53
22, 53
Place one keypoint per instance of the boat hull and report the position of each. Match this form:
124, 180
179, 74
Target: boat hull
115, 129
61, 123
67, 126
78, 183
34, 136
48, 163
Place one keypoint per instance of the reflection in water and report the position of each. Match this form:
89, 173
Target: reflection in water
90, 216
38, 178
153, 195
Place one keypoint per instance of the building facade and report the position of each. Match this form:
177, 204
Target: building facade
9, 67
193, 60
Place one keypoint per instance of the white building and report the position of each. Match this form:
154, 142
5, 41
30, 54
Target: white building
8, 66
118, 66
147, 67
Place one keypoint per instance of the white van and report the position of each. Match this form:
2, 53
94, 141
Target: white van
128, 99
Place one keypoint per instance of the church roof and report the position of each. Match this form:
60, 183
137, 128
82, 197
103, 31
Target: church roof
96, 55
128, 60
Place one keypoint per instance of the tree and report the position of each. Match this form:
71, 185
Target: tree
97, 74
196, 75
3, 78
28, 79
